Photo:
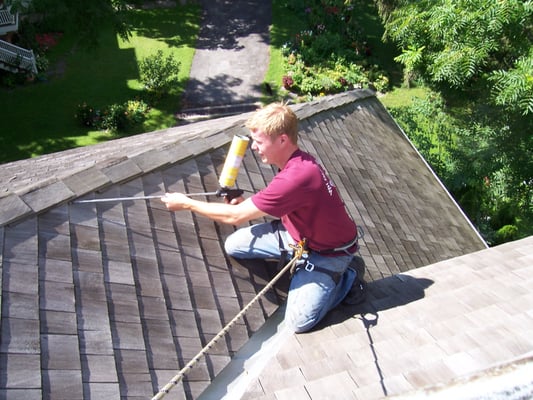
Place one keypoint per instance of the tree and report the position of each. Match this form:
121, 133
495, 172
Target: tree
514, 88
83, 19
482, 46
478, 55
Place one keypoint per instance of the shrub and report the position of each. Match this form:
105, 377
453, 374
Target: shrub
120, 117
381, 83
136, 110
350, 75
113, 118
332, 54
42, 63
158, 73
506, 233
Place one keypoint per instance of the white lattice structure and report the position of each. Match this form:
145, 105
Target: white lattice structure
8, 22
14, 58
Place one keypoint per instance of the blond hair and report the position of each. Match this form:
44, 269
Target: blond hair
274, 120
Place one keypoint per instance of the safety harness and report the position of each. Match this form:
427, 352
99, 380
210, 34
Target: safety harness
303, 260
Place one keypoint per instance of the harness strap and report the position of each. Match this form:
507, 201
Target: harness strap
301, 251
342, 249
283, 252
310, 267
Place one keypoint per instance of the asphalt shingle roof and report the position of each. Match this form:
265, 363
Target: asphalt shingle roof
112, 299
418, 333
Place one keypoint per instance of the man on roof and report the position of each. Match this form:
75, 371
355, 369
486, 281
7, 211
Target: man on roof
307, 207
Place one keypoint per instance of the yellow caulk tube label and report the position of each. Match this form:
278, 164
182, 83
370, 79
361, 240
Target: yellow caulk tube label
233, 161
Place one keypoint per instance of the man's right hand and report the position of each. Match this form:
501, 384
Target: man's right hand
234, 201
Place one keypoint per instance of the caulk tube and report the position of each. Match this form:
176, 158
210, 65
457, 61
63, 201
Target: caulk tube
233, 161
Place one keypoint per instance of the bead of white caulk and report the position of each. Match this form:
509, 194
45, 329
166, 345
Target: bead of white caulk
233, 161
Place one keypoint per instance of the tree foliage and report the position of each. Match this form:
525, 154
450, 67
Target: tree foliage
514, 88
477, 55
83, 19
467, 44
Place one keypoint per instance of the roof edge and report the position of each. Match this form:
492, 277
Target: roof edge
438, 180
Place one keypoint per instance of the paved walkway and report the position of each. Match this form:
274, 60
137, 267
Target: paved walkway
231, 59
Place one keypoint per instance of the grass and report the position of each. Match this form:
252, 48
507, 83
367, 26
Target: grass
402, 97
285, 25
39, 118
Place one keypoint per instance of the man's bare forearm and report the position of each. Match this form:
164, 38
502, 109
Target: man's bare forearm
232, 214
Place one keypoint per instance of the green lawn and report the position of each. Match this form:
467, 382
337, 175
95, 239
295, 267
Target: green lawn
284, 25
39, 118
403, 97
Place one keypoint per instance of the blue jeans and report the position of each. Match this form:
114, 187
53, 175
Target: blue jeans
311, 293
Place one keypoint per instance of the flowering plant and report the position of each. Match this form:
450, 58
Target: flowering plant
113, 118
47, 40
331, 54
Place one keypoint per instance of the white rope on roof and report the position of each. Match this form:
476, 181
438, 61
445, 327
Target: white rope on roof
298, 252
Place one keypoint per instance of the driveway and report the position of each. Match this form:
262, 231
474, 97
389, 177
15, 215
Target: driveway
232, 55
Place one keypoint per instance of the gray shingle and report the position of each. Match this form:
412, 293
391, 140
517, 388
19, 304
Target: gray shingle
47, 196
447, 327
62, 384
12, 209
58, 322
19, 371
20, 336
60, 352
86, 181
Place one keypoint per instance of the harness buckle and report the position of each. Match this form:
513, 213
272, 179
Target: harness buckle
309, 266
300, 249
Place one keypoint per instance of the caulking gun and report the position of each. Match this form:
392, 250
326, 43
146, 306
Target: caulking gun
227, 179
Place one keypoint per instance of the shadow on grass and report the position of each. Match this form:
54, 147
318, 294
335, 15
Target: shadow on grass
176, 27
39, 118
382, 53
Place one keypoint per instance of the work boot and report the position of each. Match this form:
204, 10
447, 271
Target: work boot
358, 265
357, 293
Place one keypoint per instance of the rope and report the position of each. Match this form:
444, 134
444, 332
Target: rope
298, 252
